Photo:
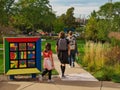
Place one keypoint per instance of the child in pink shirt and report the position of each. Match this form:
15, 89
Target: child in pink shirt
48, 63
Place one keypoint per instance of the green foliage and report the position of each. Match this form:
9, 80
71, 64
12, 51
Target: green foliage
107, 73
116, 19
69, 18
102, 76
81, 49
116, 78
99, 75
103, 21
103, 29
80, 29
106, 10
91, 31
36, 14
27, 15
4, 11
102, 60
65, 21
53, 44
58, 25
115, 42
1, 45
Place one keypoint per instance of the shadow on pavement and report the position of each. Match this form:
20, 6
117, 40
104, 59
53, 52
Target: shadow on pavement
4, 85
58, 81
88, 83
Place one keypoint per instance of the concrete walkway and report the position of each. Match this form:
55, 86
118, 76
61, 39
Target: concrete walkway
74, 74
77, 79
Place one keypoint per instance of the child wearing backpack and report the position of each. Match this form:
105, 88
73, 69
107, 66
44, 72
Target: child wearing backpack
48, 63
62, 49
73, 48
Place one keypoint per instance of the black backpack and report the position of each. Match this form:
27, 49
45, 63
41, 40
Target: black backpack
62, 44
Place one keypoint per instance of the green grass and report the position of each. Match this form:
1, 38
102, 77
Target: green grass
53, 44
1, 45
80, 44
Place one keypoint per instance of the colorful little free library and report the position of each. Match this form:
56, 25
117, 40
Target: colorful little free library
22, 55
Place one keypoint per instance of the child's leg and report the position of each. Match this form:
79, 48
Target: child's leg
72, 58
44, 72
70, 61
49, 74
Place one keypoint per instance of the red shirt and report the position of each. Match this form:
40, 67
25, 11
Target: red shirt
47, 54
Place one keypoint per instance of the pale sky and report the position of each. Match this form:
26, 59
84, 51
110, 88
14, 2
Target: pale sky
82, 7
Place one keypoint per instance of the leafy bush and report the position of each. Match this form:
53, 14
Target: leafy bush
103, 60
116, 78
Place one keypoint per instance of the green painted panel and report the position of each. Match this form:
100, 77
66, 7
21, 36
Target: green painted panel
6, 56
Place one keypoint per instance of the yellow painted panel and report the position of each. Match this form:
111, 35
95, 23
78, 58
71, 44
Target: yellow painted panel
23, 71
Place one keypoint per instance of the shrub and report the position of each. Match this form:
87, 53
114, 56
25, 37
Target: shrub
102, 59
94, 55
105, 73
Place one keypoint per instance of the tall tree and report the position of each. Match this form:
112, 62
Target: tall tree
70, 19
111, 13
116, 18
91, 30
105, 20
59, 23
32, 14
5, 11
66, 20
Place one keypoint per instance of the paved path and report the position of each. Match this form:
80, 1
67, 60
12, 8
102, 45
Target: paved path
77, 79
74, 74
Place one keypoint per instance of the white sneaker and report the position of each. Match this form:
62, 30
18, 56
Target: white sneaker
63, 76
50, 80
40, 78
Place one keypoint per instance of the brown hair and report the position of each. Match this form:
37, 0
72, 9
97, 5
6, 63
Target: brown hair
47, 46
61, 34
